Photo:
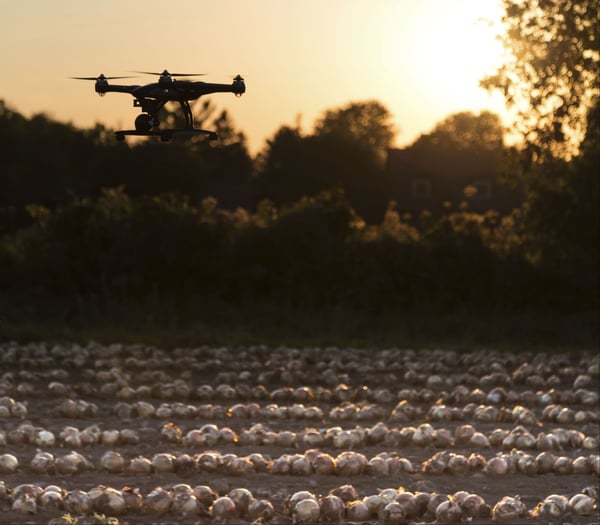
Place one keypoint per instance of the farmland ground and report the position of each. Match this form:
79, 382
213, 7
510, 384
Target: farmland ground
68, 385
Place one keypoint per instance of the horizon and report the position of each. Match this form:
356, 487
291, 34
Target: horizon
298, 59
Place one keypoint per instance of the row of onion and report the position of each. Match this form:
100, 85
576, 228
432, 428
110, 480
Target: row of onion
313, 461
210, 435
390, 506
584, 391
519, 365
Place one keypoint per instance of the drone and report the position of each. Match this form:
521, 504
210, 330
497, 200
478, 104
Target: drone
152, 97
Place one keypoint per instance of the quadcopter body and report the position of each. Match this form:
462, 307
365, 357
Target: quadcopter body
152, 97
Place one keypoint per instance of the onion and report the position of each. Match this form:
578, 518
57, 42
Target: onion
133, 499
209, 461
496, 466
409, 502
110, 501
463, 434
128, 436
18, 409
112, 461
332, 509
195, 439
388, 495
479, 440
509, 509
42, 462
184, 505
184, 465
78, 502
67, 464
357, 511
306, 511
227, 436
458, 464
545, 462
140, 466
8, 464
223, 509
163, 462
350, 464
291, 501
242, 498
171, 433
442, 438
449, 512
474, 506
423, 435
374, 503
110, 437
158, 502
476, 461
392, 513
527, 464
285, 439
51, 499
553, 508
25, 504
204, 495
581, 504
301, 466
89, 436
144, 409
377, 466
377, 433
259, 462
345, 492
582, 465
260, 511
44, 438
323, 464
563, 465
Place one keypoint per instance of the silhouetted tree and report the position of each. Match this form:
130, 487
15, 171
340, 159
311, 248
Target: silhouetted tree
552, 78
346, 151
465, 132
552, 83
365, 124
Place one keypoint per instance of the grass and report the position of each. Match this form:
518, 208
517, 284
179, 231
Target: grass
220, 324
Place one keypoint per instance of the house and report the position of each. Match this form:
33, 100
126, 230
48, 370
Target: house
427, 179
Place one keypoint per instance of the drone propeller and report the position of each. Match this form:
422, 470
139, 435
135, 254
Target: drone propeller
101, 77
165, 73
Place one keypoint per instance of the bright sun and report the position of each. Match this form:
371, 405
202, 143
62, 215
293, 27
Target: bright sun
450, 46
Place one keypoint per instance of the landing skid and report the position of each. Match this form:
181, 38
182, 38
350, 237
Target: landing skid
166, 134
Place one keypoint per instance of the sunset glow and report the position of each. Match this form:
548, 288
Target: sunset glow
421, 58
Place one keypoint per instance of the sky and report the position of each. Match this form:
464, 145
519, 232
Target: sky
421, 58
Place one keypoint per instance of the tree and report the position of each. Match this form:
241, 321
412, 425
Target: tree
366, 124
552, 84
346, 151
551, 79
465, 131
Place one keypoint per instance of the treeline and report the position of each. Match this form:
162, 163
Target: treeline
103, 257
111, 229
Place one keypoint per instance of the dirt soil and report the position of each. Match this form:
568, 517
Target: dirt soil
26, 373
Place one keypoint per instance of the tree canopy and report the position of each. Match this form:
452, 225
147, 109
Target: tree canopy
465, 131
551, 78
366, 124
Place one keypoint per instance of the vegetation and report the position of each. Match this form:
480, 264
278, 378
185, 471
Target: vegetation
196, 232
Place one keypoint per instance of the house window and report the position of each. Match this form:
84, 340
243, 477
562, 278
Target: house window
421, 189
484, 189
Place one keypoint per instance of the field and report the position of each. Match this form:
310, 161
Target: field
255, 434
